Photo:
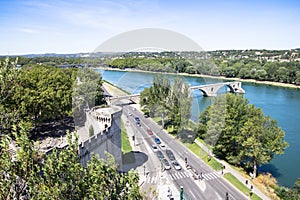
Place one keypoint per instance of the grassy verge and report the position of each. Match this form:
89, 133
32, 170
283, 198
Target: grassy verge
127, 154
126, 147
234, 181
203, 155
157, 120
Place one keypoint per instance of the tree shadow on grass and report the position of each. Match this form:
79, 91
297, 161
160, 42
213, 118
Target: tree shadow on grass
132, 160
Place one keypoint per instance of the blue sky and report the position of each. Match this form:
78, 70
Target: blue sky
57, 26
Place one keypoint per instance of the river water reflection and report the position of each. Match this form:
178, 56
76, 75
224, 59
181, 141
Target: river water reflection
282, 104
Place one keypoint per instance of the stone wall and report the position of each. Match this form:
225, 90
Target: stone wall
106, 123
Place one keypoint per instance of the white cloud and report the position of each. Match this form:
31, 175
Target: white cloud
28, 30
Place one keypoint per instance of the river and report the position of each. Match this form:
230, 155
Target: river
282, 104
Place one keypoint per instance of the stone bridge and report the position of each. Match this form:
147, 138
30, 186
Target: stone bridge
209, 90
212, 89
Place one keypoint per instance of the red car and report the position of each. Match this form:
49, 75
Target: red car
149, 131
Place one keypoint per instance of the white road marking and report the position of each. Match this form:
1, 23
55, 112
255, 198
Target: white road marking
179, 175
175, 175
187, 174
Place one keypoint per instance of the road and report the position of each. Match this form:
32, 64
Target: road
212, 186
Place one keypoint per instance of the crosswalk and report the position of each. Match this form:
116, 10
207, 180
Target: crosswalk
182, 175
179, 175
210, 176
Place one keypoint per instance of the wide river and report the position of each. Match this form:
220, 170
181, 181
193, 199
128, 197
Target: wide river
282, 104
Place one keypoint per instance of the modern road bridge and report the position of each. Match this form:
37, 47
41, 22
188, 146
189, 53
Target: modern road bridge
208, 90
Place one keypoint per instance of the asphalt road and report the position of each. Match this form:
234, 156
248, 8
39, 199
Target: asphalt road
212, 186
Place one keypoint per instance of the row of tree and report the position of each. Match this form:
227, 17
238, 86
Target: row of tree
170, 101
59, 175
285, 72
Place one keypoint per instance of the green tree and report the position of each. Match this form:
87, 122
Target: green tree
244, 135
59, 174
8, 83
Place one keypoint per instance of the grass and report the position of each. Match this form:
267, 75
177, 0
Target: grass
203, 155
234, 181
127, 154
126, 147
204, 143
116, 87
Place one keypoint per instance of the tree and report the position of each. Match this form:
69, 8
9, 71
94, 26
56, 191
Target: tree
59, 175
261, 74
244, 73
44, 93
171, 102
244, 135
8, 82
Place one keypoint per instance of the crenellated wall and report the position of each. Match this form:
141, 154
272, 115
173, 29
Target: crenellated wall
106, 123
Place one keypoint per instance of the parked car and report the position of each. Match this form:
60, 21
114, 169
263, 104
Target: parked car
129, 113
138, 123
166, 163
163, 146
137, 119
176, 165
149, 131
160, 155
157, 140
170, 155
154, 148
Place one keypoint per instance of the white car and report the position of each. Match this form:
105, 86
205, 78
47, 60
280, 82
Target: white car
176, 165
154, 148
166, 164
129, 113
163, 146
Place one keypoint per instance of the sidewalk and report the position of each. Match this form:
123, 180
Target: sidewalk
235, 173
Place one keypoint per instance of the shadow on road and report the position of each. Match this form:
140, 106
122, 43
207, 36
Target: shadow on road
133, 159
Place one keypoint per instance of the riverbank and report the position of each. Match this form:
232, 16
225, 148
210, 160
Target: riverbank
278, 84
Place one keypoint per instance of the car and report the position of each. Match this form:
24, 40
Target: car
138, 123
149, 131
160, 155
176, 165
129, 113
163, 146
170, 155
166, 163
154, 148
137, 119
157, 140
